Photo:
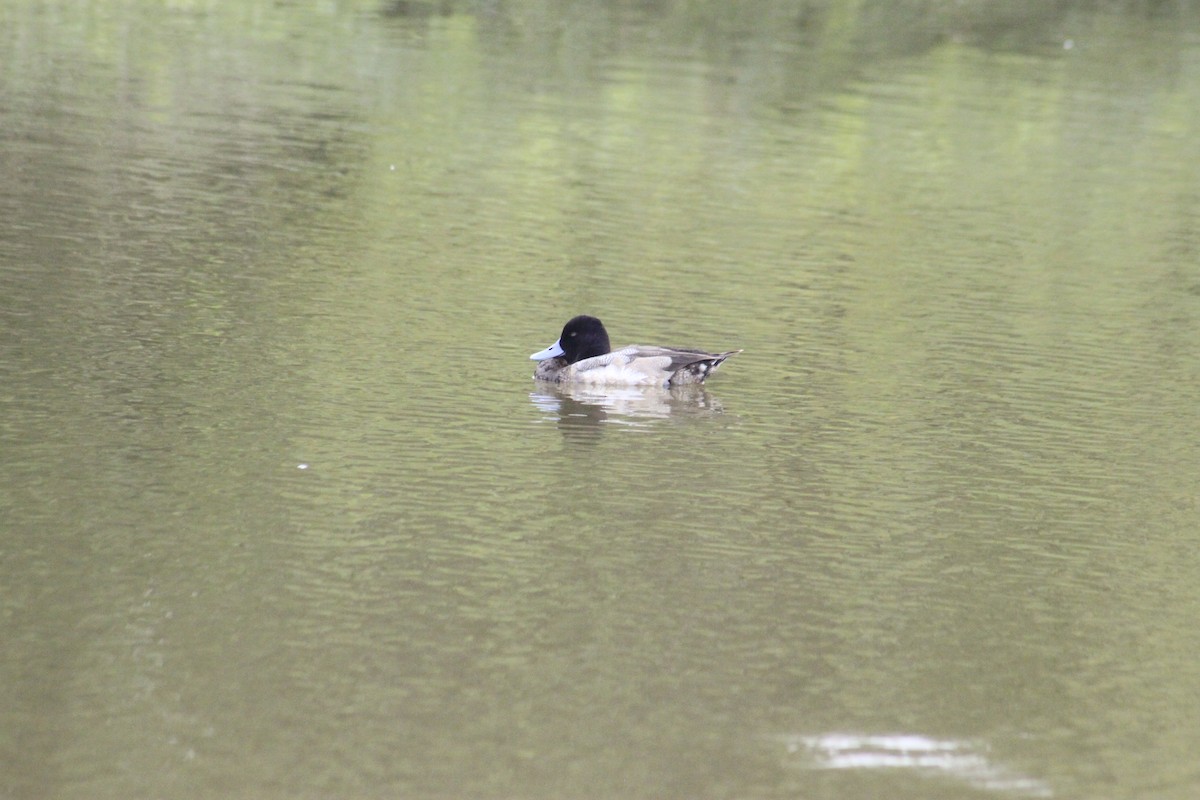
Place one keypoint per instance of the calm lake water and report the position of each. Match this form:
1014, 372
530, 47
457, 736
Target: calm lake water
282, 514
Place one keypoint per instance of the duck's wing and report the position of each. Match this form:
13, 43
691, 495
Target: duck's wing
674, 365
629, 366
641, 365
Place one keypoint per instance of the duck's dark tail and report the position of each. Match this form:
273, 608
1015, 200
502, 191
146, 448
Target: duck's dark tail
698, 370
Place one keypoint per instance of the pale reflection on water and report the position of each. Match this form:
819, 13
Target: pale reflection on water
968, 762
633, 405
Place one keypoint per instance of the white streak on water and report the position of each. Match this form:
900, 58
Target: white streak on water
966, 761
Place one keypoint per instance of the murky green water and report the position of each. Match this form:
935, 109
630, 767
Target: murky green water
282, 515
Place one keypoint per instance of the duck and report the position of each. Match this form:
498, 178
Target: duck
583, 355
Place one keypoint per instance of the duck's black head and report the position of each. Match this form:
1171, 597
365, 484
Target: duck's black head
582, 337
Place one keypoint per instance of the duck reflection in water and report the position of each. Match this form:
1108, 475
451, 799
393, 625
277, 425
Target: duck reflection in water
586, 410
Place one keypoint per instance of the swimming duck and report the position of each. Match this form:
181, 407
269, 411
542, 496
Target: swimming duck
582, 354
